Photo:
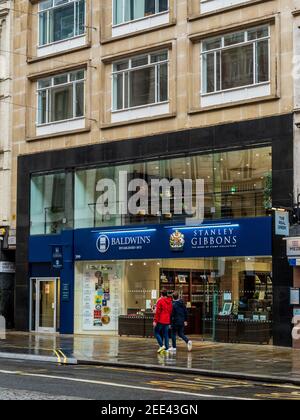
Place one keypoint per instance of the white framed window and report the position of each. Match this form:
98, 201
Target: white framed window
61, 20
61, 97
208, 6
236, 61
140, 81
125, 11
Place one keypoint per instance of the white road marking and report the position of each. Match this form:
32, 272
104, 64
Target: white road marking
93, 382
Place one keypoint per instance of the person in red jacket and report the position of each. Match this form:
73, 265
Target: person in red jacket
162, 321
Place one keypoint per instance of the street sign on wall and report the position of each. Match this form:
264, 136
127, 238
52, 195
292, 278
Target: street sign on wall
293, 247
282, 223
7, 267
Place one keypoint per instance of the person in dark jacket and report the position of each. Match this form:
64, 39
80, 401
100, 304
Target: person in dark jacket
179, 320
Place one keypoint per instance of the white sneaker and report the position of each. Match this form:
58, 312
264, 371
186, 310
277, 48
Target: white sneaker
161, 349
172, 350
190, 345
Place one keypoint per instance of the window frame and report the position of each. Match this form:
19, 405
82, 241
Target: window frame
53, 7
126, 22
236, 4
53, 86
131, 69
223, 47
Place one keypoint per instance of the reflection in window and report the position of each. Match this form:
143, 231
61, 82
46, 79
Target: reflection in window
233, 295
129, 10
237, 184
60, 20
61, 97
235, 60
141, 80
47, 204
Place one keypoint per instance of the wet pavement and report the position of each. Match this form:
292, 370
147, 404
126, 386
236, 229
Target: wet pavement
38, 381
249, 360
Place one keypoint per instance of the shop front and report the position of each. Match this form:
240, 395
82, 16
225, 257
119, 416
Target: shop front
82, 270
227, 289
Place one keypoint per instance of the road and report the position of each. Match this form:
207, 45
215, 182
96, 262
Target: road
21, 380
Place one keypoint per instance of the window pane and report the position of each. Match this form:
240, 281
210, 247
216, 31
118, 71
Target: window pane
218, 71
262, 59
79, 99
139, 61
118, 11
232, 39
142, 87
163, 91
126, 91
42, 104
163, 5
77, 75
121, 66
44, 83
128, 15
62, 22
47, 203
118, 91
43, 28
211, 44
237, 67
127, 10
61, 79
209, 73
80, 17
162, 56
62, 103
149, 7
43, 5
257, 33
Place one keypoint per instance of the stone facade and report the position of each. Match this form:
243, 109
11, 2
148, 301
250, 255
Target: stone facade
180, 34
5, 111
6, 107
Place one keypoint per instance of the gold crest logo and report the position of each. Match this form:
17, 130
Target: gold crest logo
177, 241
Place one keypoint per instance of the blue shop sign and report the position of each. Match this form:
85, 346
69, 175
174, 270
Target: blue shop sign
242, 237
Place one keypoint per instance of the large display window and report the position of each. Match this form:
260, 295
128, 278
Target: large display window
237, 184
228, 299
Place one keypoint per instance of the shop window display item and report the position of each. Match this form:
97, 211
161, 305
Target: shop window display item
101, 298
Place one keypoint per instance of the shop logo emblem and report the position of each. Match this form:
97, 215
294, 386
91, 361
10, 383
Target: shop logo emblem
103, 244
177, 241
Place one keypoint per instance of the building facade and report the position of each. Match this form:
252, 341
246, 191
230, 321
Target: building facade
155, 89
7, 235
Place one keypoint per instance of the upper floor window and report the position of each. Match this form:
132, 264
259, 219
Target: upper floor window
61, 97
60, 20
129, 10
236, 60
141, 80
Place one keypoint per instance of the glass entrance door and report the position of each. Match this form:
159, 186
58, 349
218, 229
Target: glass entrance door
43, 305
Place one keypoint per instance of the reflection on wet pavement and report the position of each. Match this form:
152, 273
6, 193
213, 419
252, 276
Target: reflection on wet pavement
248, 359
